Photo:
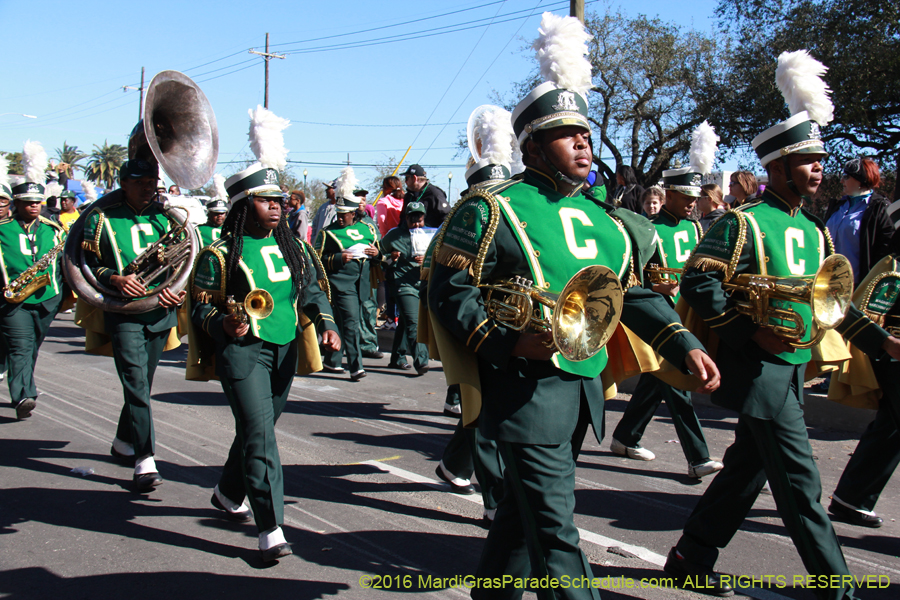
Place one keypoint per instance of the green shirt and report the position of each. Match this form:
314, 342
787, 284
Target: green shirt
677, 238
208, 234
21, 248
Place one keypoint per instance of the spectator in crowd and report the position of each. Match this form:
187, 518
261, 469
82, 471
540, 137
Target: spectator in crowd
711, 205
420, 189
390, 205
174, 190
327, 213
742, 186
628, 194
67, 214
651, 201
298, 215
364, 206
858, 223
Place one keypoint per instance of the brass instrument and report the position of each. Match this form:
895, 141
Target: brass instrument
583, 316
827, 293
257, 304
179, 131
28, 282
663, 275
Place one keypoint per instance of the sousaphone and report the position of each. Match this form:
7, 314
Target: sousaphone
179, 132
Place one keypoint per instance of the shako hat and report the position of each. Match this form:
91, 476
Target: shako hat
688, 180
799, 79
267, 144
493, 145
562, 98
5, 190
35, 162
344, 186
216, 206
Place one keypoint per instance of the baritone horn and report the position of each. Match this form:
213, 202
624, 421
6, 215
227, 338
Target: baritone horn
257, 304
583, 317
827, 294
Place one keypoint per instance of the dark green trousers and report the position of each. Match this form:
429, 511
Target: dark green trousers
648, 395
253, 468
346, 317
777, 450
368, 317
469, 452
137, 353
407, 329
878, 453
24, 327
4, 363
534, 533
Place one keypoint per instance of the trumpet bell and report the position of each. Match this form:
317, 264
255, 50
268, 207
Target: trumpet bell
587, 312
831, 292
259, 304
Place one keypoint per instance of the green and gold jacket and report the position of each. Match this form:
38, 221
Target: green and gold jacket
767, 237
677, 238
355, 274
20, 248
208, 234
262, 266
525, 227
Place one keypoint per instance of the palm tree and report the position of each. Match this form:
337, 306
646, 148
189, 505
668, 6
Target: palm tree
71, 156
105, 162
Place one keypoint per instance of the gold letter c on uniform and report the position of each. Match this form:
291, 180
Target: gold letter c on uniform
568, 215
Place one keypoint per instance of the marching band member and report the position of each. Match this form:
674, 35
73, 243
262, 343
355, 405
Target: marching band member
678, 235
113, 238
24, 240
762, 376
536, 404
346, 250
256, 354
216, 209
874, 384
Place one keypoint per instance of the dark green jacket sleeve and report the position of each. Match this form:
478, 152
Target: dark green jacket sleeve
206, 285
863, 333
99, 259
701, 286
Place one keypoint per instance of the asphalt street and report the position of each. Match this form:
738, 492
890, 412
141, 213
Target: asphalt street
365, 514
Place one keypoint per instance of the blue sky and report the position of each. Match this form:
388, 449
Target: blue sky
67, 63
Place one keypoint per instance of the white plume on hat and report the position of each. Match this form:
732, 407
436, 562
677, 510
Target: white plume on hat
494, 129
4, 170
219, 184
35, 162
703, 148
53, 189
346, 183
799, 79
266, 138
561, 48
90, 192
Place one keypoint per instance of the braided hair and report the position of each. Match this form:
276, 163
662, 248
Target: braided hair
290, 250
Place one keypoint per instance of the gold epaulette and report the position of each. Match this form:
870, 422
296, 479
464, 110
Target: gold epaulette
206, 295
458, 258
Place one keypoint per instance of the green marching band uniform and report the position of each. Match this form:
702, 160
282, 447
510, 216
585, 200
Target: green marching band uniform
113, 238
368, 309
538, 411
350, 283
24, 325
468, 452
257, 369
770, 237
874, 384
208, 232
406, 285
677, 237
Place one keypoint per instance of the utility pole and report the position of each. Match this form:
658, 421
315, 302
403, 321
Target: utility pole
576, 9
141, 90
267, 57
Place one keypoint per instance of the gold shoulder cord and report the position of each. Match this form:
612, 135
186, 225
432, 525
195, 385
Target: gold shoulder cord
485, 240
94, 244
631, 275
738, 245
206, 296
321, 269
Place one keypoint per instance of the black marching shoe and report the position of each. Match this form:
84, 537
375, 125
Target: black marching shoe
854, 517
146, 482
373, 354
238, 516
402, 366
457, 485
24, 408
698, 578
276, 552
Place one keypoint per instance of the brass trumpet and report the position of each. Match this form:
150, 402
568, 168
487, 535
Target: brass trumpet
257, 304
827, 293
583, 316
663, 275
